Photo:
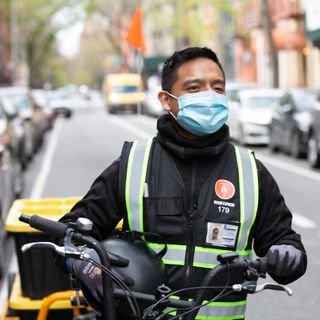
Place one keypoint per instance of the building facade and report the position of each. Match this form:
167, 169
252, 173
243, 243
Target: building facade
5, 44
312, 26
253, 55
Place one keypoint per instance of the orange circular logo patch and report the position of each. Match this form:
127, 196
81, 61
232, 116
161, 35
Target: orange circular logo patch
224, 189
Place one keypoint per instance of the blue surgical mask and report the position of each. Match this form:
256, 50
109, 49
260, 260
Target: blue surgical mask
202, 113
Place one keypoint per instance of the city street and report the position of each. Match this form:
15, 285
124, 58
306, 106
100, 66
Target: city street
80, 148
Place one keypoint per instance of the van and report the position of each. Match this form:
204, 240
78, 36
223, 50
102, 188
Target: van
123, 92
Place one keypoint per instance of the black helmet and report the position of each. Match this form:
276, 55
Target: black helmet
145, 268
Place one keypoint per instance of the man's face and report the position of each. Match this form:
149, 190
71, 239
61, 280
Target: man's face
199, 74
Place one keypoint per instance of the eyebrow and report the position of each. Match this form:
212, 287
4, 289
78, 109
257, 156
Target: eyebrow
196, 80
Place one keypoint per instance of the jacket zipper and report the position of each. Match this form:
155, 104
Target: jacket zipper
192, 211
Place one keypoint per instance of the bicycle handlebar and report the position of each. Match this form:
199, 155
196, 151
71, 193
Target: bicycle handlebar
58, 229
54, 228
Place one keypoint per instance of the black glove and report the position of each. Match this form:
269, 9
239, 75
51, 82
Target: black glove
284, 259
90, 275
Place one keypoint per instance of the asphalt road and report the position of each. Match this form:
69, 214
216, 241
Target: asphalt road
80, 148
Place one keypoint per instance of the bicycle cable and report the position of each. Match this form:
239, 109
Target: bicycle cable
130, 298
220, 295
181, 290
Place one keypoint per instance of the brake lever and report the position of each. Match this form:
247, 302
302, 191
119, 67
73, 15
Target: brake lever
252, 287
71, 253
274, 286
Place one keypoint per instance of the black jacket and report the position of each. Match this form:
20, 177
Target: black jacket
273, 222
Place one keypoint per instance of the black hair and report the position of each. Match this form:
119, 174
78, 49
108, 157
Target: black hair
171, 65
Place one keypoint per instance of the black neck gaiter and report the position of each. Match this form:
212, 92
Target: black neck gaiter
206, 146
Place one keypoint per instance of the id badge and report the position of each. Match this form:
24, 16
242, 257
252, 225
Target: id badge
223, 235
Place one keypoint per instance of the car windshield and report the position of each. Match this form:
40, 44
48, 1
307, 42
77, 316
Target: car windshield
20, 100
232, 91
125, 89
304, 100
233, 94
55, 95
260, 102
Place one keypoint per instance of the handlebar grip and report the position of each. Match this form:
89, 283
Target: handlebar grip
264, 266
24, 218
54, 228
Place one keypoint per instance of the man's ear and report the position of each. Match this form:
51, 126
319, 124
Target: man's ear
164, 100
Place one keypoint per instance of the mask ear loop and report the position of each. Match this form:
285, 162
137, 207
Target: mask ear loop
171, 95
172, 115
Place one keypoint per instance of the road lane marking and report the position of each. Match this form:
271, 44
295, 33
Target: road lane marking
298, 219
36, 193
303, 222
289, 167
264, 158
13, 268
129, 127
37, 189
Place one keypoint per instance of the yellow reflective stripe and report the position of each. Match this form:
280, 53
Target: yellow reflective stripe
135, 179
256, 194
142, 182
210, 261
225, 303
237, 316
219, 309
223, 310
203, 257
175, 254
128, 183
241, 188
154, 246
171, 310
249, 190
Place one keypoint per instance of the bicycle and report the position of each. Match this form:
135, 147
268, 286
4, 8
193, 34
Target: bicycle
160, 302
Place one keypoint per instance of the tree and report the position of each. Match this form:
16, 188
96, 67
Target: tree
266, 22
191, 22
88, 67
117, 15
38, 26
5, 43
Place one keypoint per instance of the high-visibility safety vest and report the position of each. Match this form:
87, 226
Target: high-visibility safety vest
228, 200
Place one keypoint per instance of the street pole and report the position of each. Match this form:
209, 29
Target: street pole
139, 68
266, 22
14, 41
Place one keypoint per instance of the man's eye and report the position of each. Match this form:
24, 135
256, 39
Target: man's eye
219, 89
193, 88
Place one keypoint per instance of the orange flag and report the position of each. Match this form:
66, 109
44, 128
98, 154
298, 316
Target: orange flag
135, 33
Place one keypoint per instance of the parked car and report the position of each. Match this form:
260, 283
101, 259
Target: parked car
233, 88
32, 114
17, 132
11, 179
290, 125
60, 103
41, 99
314, 136
249, 122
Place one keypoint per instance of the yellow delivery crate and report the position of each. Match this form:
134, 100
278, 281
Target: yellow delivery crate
39, 275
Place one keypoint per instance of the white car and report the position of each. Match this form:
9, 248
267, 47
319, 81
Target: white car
233, 89
249, 122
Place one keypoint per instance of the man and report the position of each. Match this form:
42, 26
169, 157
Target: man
189, 181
